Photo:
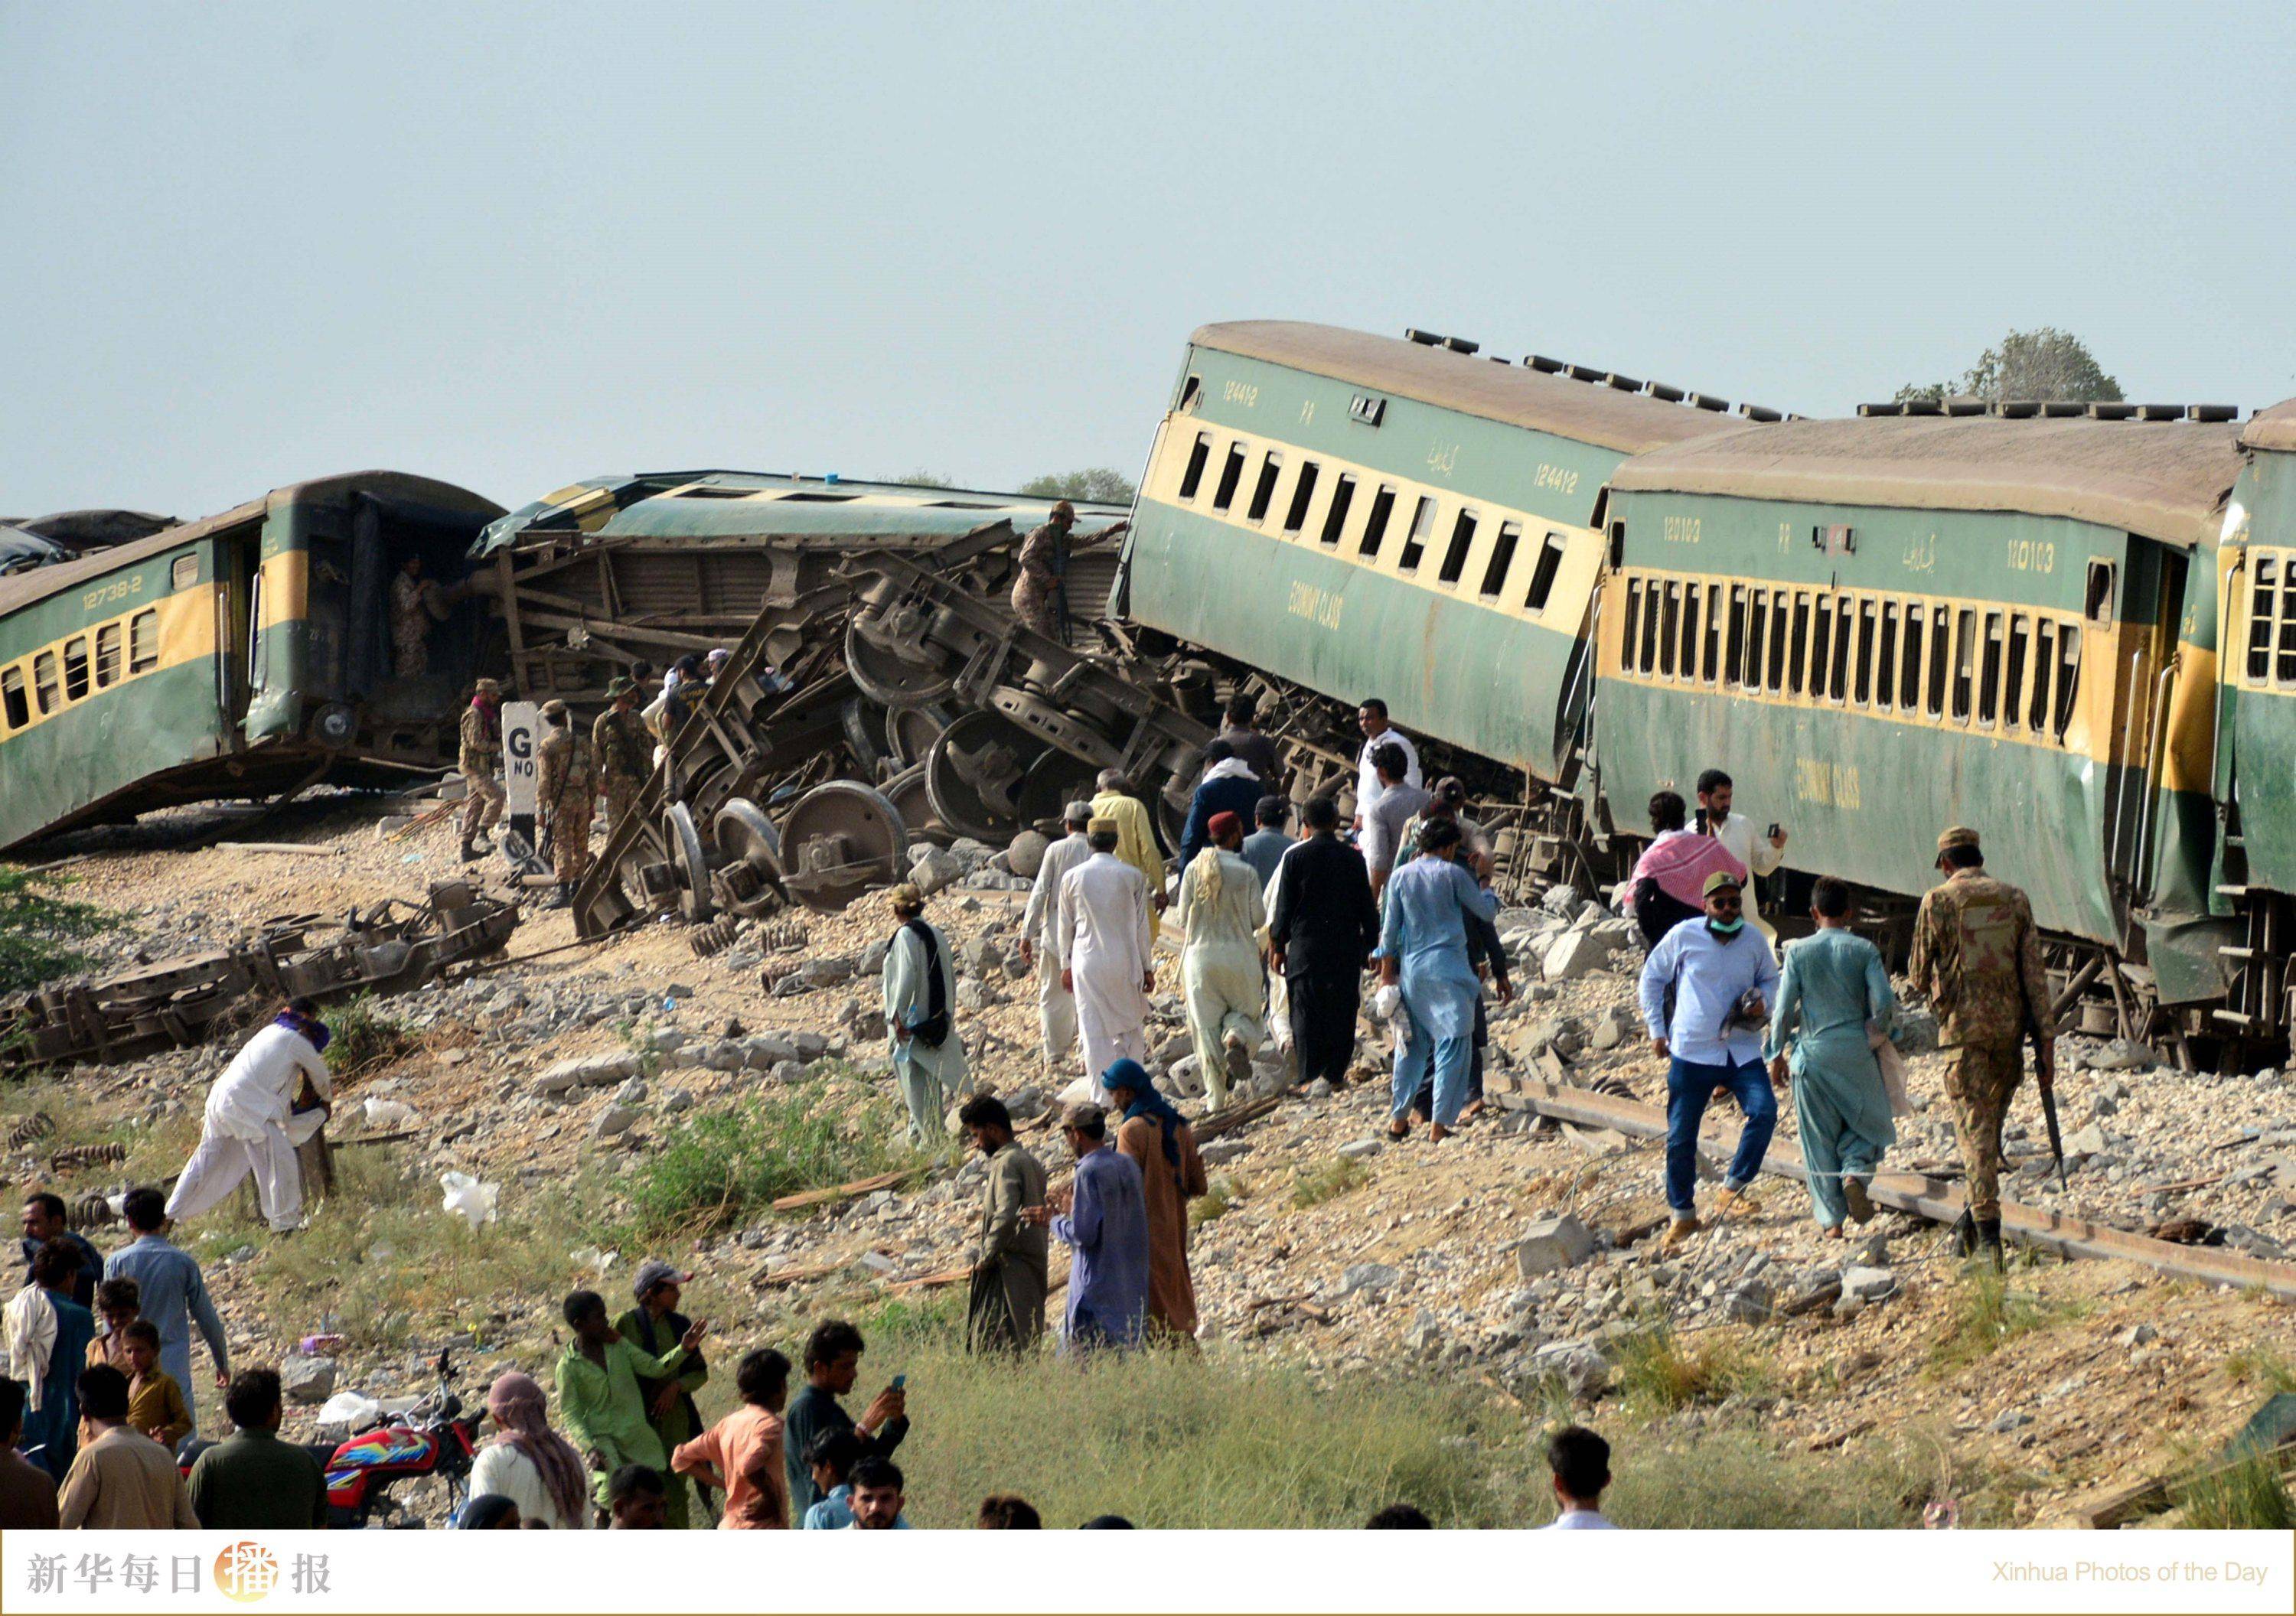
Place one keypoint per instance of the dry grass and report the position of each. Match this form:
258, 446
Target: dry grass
1327, 1180
1659, 1371
1987, 1312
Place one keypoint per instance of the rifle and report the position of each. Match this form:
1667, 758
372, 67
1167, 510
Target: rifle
2046, 1082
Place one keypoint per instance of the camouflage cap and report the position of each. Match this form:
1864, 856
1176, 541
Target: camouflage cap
553, 708
617, 688
1721, 881
1959, 836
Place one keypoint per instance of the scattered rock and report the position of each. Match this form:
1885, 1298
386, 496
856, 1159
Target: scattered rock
1573, 955
1220, 1151
1557, 1241
1024, 855
631, 1093
1579, 1365
1869, 1284
594, 1070
1373, 1279
612, 1121
2087, 1141
1362, 1150
307, 1377
1747, 1303
933, 868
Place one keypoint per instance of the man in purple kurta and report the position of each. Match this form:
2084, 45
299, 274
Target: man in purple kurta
1106, 1226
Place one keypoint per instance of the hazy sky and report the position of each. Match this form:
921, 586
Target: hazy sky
512, 246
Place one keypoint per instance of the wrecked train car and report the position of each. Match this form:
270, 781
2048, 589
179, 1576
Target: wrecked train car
246, 653
624, 574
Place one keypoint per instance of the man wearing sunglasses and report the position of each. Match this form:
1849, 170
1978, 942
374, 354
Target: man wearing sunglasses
1722, 977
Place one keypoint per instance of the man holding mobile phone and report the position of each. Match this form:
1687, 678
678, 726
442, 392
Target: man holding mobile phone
1759, 852
832, 1363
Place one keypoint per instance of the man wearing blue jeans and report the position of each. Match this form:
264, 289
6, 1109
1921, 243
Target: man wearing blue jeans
1724, 978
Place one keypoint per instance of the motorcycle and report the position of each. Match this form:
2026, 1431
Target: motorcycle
433, 1438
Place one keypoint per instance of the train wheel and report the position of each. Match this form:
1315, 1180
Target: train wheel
973, 775
911, 731
906, 792
690, 859
890, 662
839, 840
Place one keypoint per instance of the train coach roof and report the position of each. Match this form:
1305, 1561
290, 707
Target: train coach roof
2164, 480
1582, 411
2272, 428
22, 589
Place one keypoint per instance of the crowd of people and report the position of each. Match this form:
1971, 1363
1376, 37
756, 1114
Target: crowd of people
1276, 936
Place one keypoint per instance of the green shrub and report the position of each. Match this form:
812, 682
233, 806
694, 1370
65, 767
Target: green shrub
1327, 1180
1987, 1312
1659, 1371
38, 928
363, 1036
2246, 1495
733, 1163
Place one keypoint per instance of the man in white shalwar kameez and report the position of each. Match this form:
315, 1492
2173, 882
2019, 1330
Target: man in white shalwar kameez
929, 1073
1221, 913
1108, 953
1041, 943
252, 1124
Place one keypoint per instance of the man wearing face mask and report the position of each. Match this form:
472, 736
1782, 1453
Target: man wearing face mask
1724, 978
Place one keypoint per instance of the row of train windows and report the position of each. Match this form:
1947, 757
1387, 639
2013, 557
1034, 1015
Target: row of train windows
57, 681
1862, 651
1379, 517
2271, 580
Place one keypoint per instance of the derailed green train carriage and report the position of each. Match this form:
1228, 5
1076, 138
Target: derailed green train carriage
1884, 626
1368, 516
231, 657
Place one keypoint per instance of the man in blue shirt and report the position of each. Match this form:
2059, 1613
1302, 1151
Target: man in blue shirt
1724, 977
172, 1292
1104, 1221
46, 1219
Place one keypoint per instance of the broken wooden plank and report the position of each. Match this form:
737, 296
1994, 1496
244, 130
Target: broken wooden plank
832, 1193
769, 1279
1235, 1117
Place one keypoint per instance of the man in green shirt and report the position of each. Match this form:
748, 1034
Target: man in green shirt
251, 1481
654, 1326
599, 1401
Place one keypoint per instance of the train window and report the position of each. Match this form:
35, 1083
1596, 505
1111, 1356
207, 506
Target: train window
1542, 576
1885, 658
1940, 658
1501, 559
1295, 518
1650, 626
19, 711
2100, 593
1382, 507
1691, 593
1797, 661
2285, 672
2069, 652
107, 655
1757, 620
1617, 544
1821, 646
1335, 520
1199, 458
143, 642
1909, 669
1669, 625
184, 572
1734, 654
2262, 578
1454, 555
1231, 474
1264, 490
1713, 633
2044, 662
1844, 610
1988, 683
2013, 686
76, 667
1965, 666
44, 681
1866, 613
1627, 642
1189, 392
1414, 543
1777, 679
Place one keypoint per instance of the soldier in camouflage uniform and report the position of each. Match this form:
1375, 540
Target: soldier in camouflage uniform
481, 756
623, 751
415, 602
566, 784
1977, 957
1036, 586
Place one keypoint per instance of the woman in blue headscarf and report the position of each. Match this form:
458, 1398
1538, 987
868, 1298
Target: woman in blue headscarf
1159, 1142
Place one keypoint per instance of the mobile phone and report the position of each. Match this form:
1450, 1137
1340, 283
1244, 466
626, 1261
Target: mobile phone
1701, 821
1774, 830
899, 1381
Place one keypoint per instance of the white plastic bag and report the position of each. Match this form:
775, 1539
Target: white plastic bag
348, 1411
468, 1198
1387, 1002
385, 1115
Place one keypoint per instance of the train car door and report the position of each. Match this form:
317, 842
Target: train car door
2142, 630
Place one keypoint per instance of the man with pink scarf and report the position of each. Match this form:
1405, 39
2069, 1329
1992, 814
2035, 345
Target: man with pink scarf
1670, 880
528, 1462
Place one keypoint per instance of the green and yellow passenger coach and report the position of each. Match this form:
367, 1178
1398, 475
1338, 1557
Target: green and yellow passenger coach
2255, 771
236, 656
1373, 516
1884, 626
